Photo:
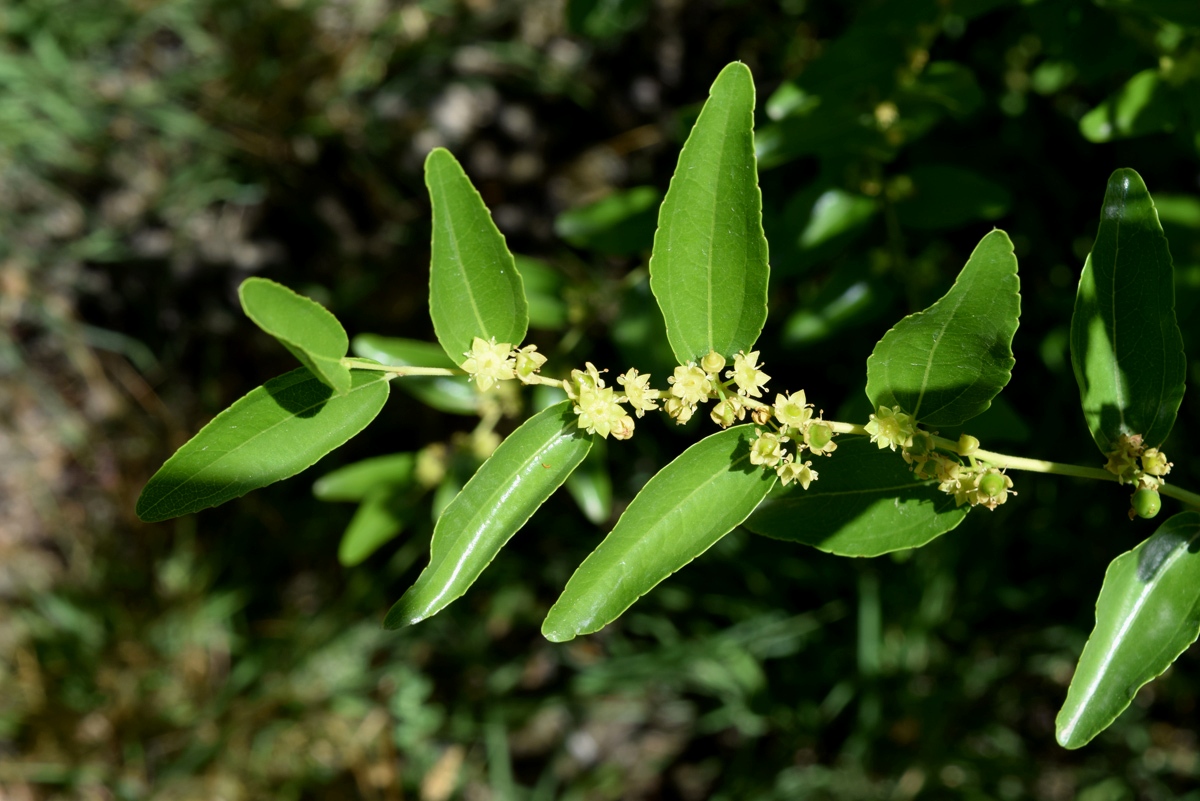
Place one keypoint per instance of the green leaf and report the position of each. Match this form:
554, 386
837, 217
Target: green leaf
453, 394
1147, 614
379, 518
474, 287
1126, 348
356, 481
680, 513
303, 326
865, 502
272, 433
1144, 105
709, 266
620, 224
523, 472
944, 365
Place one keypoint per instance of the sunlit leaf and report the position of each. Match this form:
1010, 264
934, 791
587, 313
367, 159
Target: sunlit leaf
1148, 613
474, 287
709, 267
865, 502
303, 326
681, 512
272, 433
523, 472
1126, 348
944, 365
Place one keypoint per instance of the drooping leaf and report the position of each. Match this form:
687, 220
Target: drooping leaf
356, 481
944, 365
523, 472
682, 512
474, 287
379, 518
1126, 348
865, 502
1147, 614
303, 326
272, 433
709, 265
453, 394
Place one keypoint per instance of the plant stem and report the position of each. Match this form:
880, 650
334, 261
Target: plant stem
1034, 465
401, 370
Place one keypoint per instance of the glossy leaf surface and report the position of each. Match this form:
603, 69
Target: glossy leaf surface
1147, 614
523, 472
866, 502
709, 266
453, 394
303, 326
378, 519
272, 433
944, 365
474, 287
1126, 347
356, 481
681, 512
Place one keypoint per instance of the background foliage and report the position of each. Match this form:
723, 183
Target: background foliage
152, 155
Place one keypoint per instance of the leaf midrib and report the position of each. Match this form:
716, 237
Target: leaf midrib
454, 246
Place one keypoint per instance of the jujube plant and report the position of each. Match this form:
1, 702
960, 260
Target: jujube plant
776, 464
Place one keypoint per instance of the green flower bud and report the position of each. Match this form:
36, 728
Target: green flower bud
967, 445
1146, 503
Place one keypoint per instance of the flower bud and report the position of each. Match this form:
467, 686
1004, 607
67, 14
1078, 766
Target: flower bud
724, 414
967, 445
712, 363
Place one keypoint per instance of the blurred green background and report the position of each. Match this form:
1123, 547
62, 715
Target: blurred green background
154, 153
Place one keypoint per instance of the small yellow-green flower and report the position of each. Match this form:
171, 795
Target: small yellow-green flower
746, 374
790, 470
767, 449
819, 438
678, 411
728, 411
528, 363
891, 427
793, 410
1155, 462
581, 380
600, 412
489, 362
641, 397
690, 384
993, 488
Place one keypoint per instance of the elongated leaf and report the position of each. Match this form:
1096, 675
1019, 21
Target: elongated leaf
474, 287
380, 518
453, 394
272, 433
1126, 347
709, 266
944, 365
303, 326
865, 502
523, 472
1147, 614
680, 513
356, 481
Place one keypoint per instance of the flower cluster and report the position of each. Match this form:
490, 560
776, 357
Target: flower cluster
489, 362
1133, 463
598, 406
796, 431
891, 427
977, 485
